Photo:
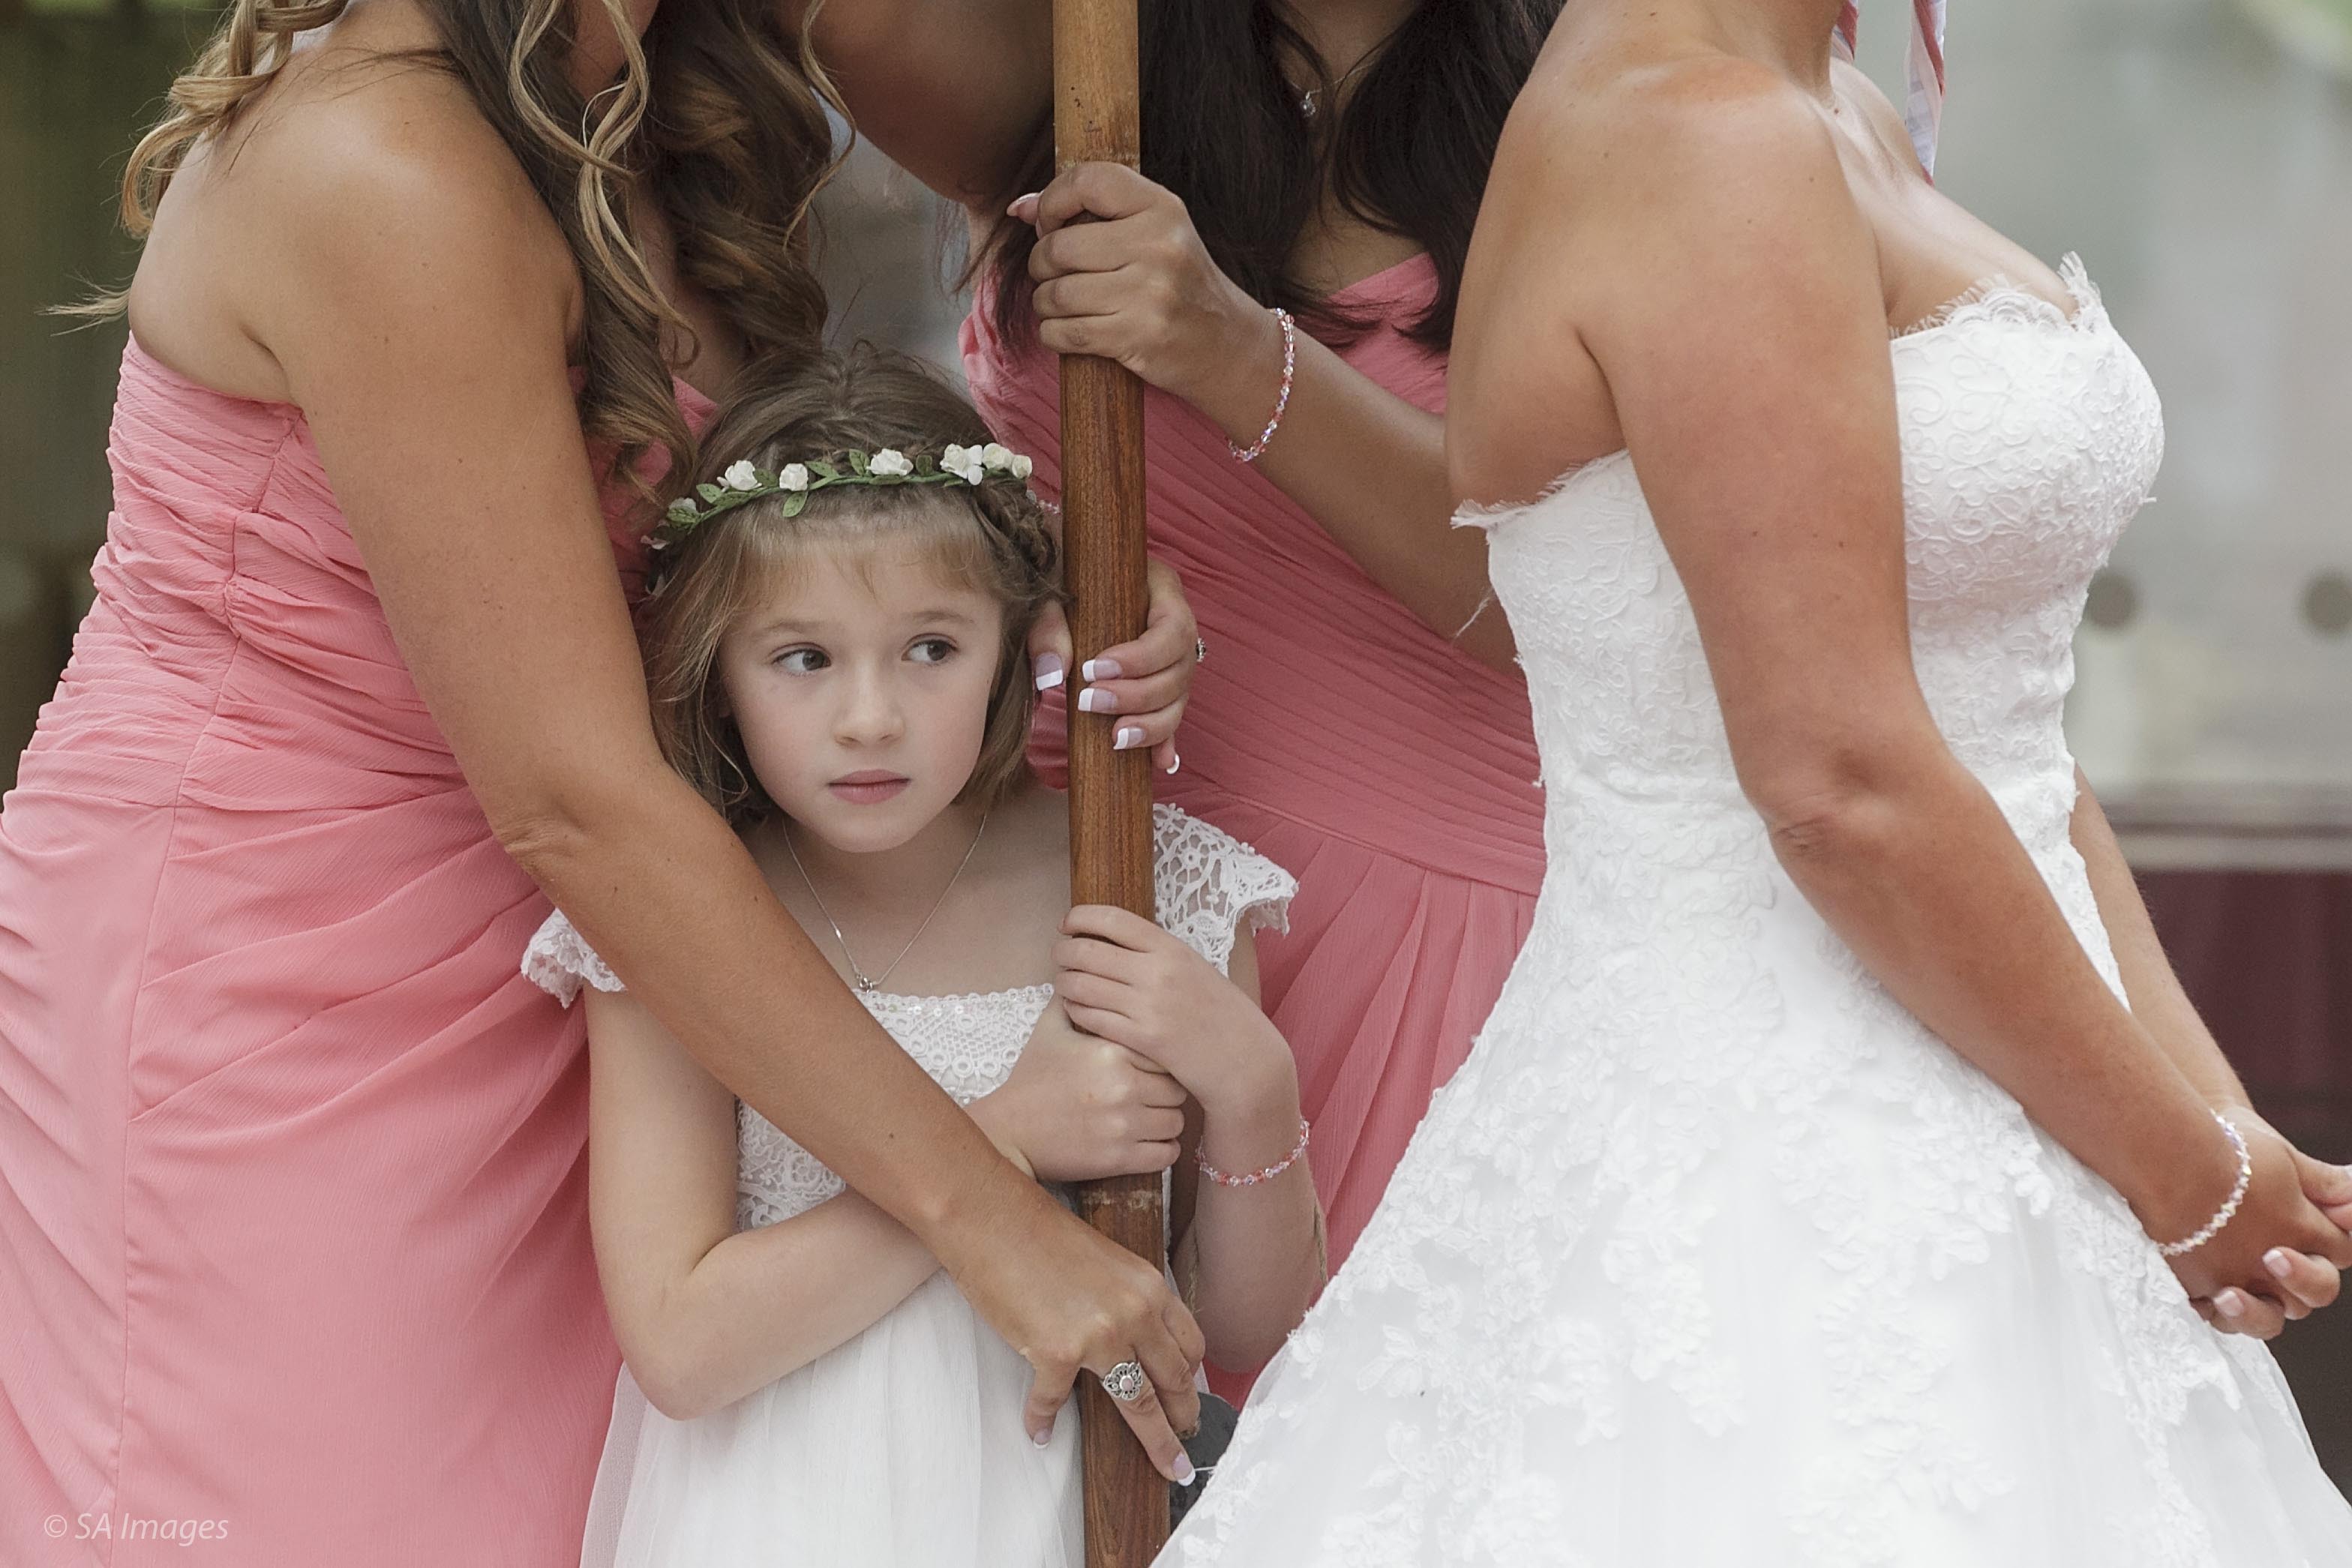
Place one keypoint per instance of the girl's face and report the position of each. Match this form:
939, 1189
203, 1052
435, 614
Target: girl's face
860, 686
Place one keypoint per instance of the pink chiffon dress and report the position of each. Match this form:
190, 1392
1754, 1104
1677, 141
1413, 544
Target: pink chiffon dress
294, 1248
1392, 773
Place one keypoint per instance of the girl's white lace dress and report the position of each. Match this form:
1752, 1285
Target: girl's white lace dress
1711, 1255
904, 1447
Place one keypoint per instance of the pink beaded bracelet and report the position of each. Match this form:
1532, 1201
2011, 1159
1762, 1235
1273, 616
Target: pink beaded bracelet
1282, 399
1253, 1177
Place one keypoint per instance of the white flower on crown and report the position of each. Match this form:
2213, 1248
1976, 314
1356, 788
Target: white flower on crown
891, 463
682, 511
792, 476
963, 462
741, 476
1022, 465
998, 458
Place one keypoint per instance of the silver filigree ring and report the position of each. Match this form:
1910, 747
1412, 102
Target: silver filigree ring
1126, 1381
1199, 649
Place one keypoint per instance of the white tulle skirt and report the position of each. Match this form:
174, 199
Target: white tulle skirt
1712, 1257
903, 1449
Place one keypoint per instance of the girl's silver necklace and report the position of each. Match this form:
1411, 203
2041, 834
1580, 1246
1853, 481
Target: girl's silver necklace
874, 983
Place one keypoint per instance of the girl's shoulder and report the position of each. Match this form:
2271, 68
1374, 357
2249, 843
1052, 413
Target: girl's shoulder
1210, 885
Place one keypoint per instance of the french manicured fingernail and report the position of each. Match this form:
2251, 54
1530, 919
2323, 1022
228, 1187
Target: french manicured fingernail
1095, 700
1174, 762
2278, 1263
1047, 669
1013, 208
1100, 669
1042, 1438
1184, 1471
2229, 1304
1126, 740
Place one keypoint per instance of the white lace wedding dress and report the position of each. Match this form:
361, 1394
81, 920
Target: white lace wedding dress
904, 1447
1711, 1255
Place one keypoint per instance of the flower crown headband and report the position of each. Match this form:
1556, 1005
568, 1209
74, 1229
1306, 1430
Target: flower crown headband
745, 482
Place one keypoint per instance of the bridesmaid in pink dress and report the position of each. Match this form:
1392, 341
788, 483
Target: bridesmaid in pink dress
1357, 718
295, 1265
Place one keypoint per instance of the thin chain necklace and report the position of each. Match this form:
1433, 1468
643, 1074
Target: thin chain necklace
1306, 98
874, 983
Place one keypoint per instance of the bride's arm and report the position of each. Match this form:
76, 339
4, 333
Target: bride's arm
1738, 317
2163, 1008
705, 1315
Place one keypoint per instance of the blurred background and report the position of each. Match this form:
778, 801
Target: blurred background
2197, 153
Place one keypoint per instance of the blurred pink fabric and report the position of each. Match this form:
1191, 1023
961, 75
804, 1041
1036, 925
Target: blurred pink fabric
1392, 773
294, 1248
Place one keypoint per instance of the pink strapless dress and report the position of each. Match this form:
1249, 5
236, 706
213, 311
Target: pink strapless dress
1392, 773
294, 1250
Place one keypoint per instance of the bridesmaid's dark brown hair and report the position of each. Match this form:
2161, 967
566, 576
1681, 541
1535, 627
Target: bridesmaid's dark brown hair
1408, 153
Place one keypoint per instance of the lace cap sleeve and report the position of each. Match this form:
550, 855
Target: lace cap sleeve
558, 960
1210, 885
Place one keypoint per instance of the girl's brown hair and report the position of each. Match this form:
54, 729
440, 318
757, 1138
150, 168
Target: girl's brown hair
822, 404
719, 114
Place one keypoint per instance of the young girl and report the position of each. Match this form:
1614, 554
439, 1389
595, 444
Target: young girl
834, 646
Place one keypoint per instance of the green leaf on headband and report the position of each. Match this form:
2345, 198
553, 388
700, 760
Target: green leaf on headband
795, 501
710, 492
823, 470
858, 463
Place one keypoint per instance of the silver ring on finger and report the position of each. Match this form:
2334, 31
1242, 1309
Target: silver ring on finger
1126, 1381
1199, 649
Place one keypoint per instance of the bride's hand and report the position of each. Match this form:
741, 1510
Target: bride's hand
2304, 1283
2281, 1248
1146, 682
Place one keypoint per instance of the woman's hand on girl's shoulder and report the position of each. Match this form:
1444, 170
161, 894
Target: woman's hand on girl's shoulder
1130, 982
1079, 1108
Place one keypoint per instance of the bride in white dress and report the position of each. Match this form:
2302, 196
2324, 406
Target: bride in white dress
1801, 1201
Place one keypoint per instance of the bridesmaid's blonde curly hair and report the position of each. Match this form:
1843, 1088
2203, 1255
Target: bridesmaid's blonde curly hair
994, 538
720, 114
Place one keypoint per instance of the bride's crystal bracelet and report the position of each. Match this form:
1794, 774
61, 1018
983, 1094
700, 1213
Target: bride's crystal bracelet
2229, 1210
1253, 1177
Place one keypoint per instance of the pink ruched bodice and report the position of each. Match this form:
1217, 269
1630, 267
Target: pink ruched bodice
1392, 773
293, 1225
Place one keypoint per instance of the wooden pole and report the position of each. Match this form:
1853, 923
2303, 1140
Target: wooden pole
1097, 119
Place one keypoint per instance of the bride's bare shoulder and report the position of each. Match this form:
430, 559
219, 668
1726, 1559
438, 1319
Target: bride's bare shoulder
1646, 127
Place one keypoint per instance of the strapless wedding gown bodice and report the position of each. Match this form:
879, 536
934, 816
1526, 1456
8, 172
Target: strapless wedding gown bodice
1712, 1254
2031, 436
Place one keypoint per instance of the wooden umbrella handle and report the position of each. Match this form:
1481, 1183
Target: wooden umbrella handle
1097, 119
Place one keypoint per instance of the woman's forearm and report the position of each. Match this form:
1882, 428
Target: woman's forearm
669, 898
1370, 468
1915, 868
766, 1302
2157, 1001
